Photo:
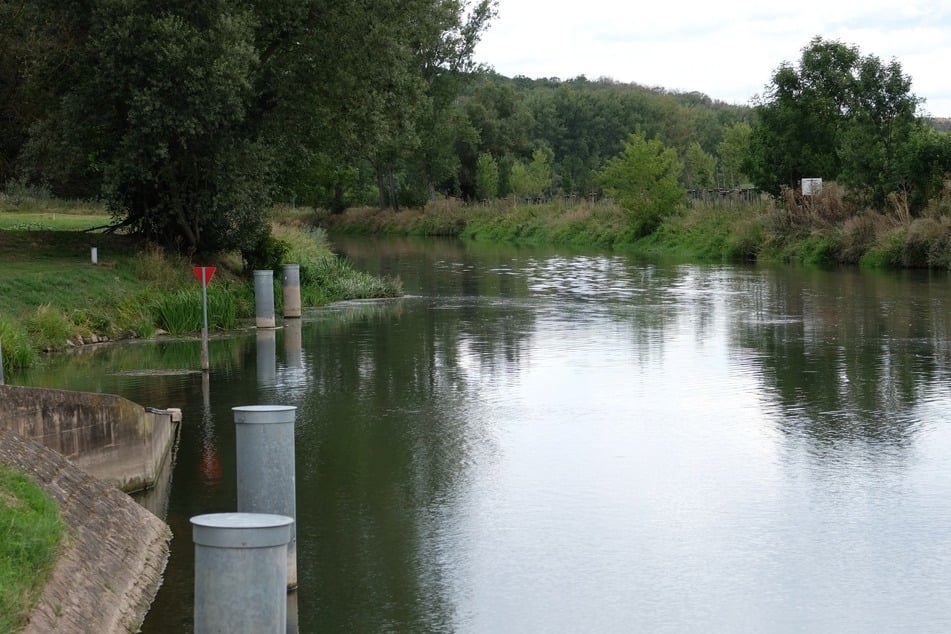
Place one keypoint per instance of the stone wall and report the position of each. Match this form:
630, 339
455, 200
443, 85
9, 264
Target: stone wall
107, 436
114, 554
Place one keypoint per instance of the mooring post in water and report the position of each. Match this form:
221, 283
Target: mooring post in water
291, 290
264, 299
266, 480
241, 572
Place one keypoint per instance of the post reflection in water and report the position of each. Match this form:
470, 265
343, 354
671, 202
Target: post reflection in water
293, 347
266, 356
210, 465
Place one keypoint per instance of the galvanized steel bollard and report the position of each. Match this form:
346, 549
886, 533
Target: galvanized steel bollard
240, 572
264, 299
266, 478
291, 290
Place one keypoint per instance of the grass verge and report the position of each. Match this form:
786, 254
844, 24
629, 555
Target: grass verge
30, 534
54, 296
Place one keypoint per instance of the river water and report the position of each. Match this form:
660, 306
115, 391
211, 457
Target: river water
554, 441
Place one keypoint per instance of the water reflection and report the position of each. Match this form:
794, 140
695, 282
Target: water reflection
266, 357
566, 441
846, 356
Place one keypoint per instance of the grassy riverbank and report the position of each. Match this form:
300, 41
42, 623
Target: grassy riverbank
55, 297
30, 534
824, 230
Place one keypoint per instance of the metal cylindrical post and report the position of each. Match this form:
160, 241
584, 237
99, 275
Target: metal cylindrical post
264, 299
266, 478
292, 290
240, 572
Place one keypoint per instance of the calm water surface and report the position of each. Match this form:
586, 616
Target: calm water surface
541, 441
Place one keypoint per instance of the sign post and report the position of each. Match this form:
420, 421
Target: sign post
204, 275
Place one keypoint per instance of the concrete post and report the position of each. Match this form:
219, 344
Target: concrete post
264, 299
266, 477
240, 572
1, 362
94, 255
291, 290
266, 357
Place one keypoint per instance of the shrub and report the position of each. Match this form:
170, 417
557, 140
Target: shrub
17, 349
49, 328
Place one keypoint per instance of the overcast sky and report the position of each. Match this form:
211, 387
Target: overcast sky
727, 50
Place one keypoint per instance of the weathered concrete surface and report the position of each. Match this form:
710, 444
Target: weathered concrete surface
108, 436
115, 552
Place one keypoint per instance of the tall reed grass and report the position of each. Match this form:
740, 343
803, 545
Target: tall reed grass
17, 349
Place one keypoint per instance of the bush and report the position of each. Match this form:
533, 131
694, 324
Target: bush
49, 328
18, 351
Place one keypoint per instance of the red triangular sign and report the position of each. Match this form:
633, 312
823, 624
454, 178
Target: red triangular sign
204, 273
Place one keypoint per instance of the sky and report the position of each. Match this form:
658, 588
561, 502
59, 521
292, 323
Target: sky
727, 50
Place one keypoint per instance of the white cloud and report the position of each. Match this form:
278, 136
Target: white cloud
726, 50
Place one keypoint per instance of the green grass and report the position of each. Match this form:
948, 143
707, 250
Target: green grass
53, 295
30, 534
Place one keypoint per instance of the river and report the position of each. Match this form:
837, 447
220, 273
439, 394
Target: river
557, 441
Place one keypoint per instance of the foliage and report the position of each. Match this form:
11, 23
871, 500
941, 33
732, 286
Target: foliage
487, 177
48, 328
531, 179
699, 168
30, 533
732, 151
840, 116
643, 179
17, 349
190, 118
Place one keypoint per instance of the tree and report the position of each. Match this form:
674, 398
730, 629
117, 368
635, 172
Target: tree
487, 177
699, 168
643, 179
188, 118
837, 115
732, 151
532, 179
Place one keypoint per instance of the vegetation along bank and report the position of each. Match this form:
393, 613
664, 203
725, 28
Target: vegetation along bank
55, 298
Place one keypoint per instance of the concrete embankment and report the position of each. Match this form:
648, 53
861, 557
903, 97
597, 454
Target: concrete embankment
114, 553
82, 448
105, 435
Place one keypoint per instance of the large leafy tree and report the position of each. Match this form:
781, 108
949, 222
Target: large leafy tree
837, 115
188, 117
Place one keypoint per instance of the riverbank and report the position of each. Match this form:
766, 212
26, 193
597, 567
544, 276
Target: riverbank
112, 559
823, 230
57, 295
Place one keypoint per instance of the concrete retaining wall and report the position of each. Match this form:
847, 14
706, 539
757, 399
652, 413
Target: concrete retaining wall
107, 436
114, 552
